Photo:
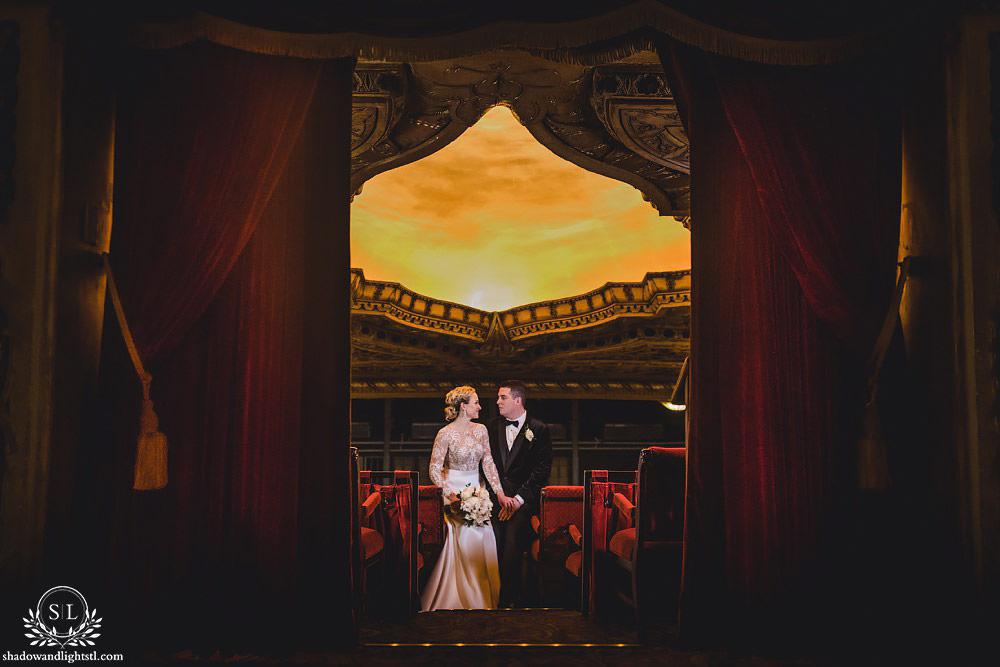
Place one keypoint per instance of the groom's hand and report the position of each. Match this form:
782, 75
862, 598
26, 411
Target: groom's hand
510, 506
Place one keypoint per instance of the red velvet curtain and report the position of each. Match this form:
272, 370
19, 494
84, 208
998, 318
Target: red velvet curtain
210, 268
209, 132
795, 220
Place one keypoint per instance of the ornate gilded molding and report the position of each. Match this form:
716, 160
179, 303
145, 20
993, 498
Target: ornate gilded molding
638, 143
613, 300
608, 390
506, 329
636, 106
530, 86
395, 302
376, 105
498, 338
623, 339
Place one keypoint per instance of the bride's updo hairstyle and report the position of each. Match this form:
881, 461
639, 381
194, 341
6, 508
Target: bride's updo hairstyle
455, 398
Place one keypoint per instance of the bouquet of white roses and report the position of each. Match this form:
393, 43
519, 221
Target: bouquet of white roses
475, 505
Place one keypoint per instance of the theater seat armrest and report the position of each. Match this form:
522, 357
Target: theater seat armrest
368, 507
624, 505
536, 524
575, 534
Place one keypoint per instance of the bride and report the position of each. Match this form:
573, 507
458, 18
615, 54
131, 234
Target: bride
466, 575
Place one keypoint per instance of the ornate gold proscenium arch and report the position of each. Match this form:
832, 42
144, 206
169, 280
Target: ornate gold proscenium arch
618, 119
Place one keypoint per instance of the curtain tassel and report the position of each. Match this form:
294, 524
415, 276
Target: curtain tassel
151, 452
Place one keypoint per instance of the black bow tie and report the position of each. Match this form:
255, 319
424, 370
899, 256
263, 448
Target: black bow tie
512, 422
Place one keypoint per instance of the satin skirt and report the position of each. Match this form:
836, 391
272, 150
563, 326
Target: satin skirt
467, 574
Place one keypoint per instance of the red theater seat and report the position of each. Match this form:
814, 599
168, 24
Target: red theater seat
357, 557
372, 543
535, 550
389, 534
643, 561
430, 516
561, 507
602, 520
623, 543
574, 562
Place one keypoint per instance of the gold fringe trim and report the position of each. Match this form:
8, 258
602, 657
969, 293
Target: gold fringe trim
560, 41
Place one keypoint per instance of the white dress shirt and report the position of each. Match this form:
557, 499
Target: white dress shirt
511, 432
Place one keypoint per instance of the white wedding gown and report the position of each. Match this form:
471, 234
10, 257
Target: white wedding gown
467, 574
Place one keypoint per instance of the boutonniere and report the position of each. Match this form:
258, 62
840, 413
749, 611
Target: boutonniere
529, 435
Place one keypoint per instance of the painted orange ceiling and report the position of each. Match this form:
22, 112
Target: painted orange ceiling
495, 220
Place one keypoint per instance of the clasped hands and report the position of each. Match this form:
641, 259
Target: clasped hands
508, 505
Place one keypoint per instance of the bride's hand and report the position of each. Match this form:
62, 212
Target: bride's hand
453, 498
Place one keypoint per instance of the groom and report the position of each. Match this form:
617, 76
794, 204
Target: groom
522, 451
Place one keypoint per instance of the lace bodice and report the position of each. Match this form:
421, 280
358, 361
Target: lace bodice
458, 450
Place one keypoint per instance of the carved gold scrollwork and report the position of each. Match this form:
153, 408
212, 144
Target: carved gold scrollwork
653, 132
507, 329
635, 135
497, 338
377, 105
368, 125
528, 85
637, 108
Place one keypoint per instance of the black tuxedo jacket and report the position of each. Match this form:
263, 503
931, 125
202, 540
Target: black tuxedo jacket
524, 470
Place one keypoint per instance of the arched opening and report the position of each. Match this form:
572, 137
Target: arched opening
508, 224
494, 220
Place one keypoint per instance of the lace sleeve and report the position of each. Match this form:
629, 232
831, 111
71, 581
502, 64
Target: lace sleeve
437, 459
489, 467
